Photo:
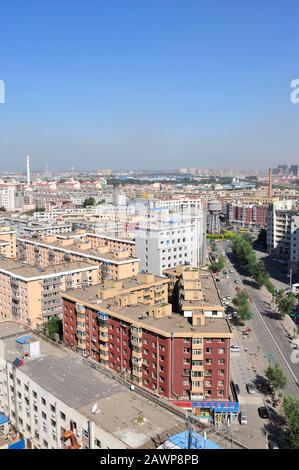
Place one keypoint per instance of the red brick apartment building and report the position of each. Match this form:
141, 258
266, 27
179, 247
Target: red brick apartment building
128, 327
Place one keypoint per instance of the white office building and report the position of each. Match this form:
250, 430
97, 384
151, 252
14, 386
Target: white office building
165, 239
8, 197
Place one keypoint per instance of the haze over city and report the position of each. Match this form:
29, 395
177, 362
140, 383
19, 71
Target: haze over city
148, 84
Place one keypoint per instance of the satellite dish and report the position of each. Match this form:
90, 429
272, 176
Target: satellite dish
94, 408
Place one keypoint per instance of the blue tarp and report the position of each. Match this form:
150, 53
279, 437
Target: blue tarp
218, 406
23, 340
18, 445
3, 419
197, 441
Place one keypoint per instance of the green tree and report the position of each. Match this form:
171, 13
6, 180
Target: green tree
291, 415
53, 327
217, 266
276, 378
90, 201
285, 302
242, 306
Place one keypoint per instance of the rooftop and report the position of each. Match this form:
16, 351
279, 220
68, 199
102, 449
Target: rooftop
89, 253
137, 313
26, 271
80, 386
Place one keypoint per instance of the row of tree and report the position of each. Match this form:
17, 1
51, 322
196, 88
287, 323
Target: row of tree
242, 247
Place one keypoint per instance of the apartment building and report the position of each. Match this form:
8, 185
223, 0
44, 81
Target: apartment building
55, 401
242, 214
8, 242
170, 241
114, 256
128, 326
33, 295
279, 227
283, 233
8, 197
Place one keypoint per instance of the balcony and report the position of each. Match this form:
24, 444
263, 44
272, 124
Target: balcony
197, 368
80, 308
136, 341
81, 329
137, 353
137, 372
197, 357
104, 347
136, 362
137, 332
104, 336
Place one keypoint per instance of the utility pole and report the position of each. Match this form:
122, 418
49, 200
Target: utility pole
290, 276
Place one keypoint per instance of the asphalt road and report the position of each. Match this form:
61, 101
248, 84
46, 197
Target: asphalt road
270, 333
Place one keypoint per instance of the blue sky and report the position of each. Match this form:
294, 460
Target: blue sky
152, 84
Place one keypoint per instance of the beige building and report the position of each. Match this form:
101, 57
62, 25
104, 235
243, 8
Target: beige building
114, 256
33, 295
8, 242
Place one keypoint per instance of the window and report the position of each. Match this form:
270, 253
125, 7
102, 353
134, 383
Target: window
97, 443
34, 394
44, 416
45, 443
62, 416
43, 401
85, 433
53, 408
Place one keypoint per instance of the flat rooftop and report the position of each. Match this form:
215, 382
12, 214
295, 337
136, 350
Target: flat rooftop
174, 323
73, 248
79, 386
26, 271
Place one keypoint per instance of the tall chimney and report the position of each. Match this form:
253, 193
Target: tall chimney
270, 183
28, 169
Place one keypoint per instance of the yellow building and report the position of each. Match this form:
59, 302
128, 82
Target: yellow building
114, 256
8, 242
33, 295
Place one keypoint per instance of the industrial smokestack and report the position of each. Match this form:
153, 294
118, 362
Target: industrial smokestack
28, 170
270, 183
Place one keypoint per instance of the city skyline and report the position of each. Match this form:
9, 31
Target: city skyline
145, 85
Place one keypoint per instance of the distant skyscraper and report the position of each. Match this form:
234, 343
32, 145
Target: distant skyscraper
28, 170
270, 183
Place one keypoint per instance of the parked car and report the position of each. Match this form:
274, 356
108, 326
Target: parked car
231, 271
237, 389
229, 316
235, 314
226, 277
273, 445
235, 348
251, 389
243, 418
263, 412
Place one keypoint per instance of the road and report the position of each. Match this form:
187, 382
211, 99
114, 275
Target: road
269, 331
268, 343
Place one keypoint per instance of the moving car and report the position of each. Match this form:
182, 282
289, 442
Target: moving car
263, 412
251, 389
235, 348
237, 281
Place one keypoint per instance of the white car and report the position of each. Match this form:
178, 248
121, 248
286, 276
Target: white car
235, 348
228, 297
223, 299
226, 277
